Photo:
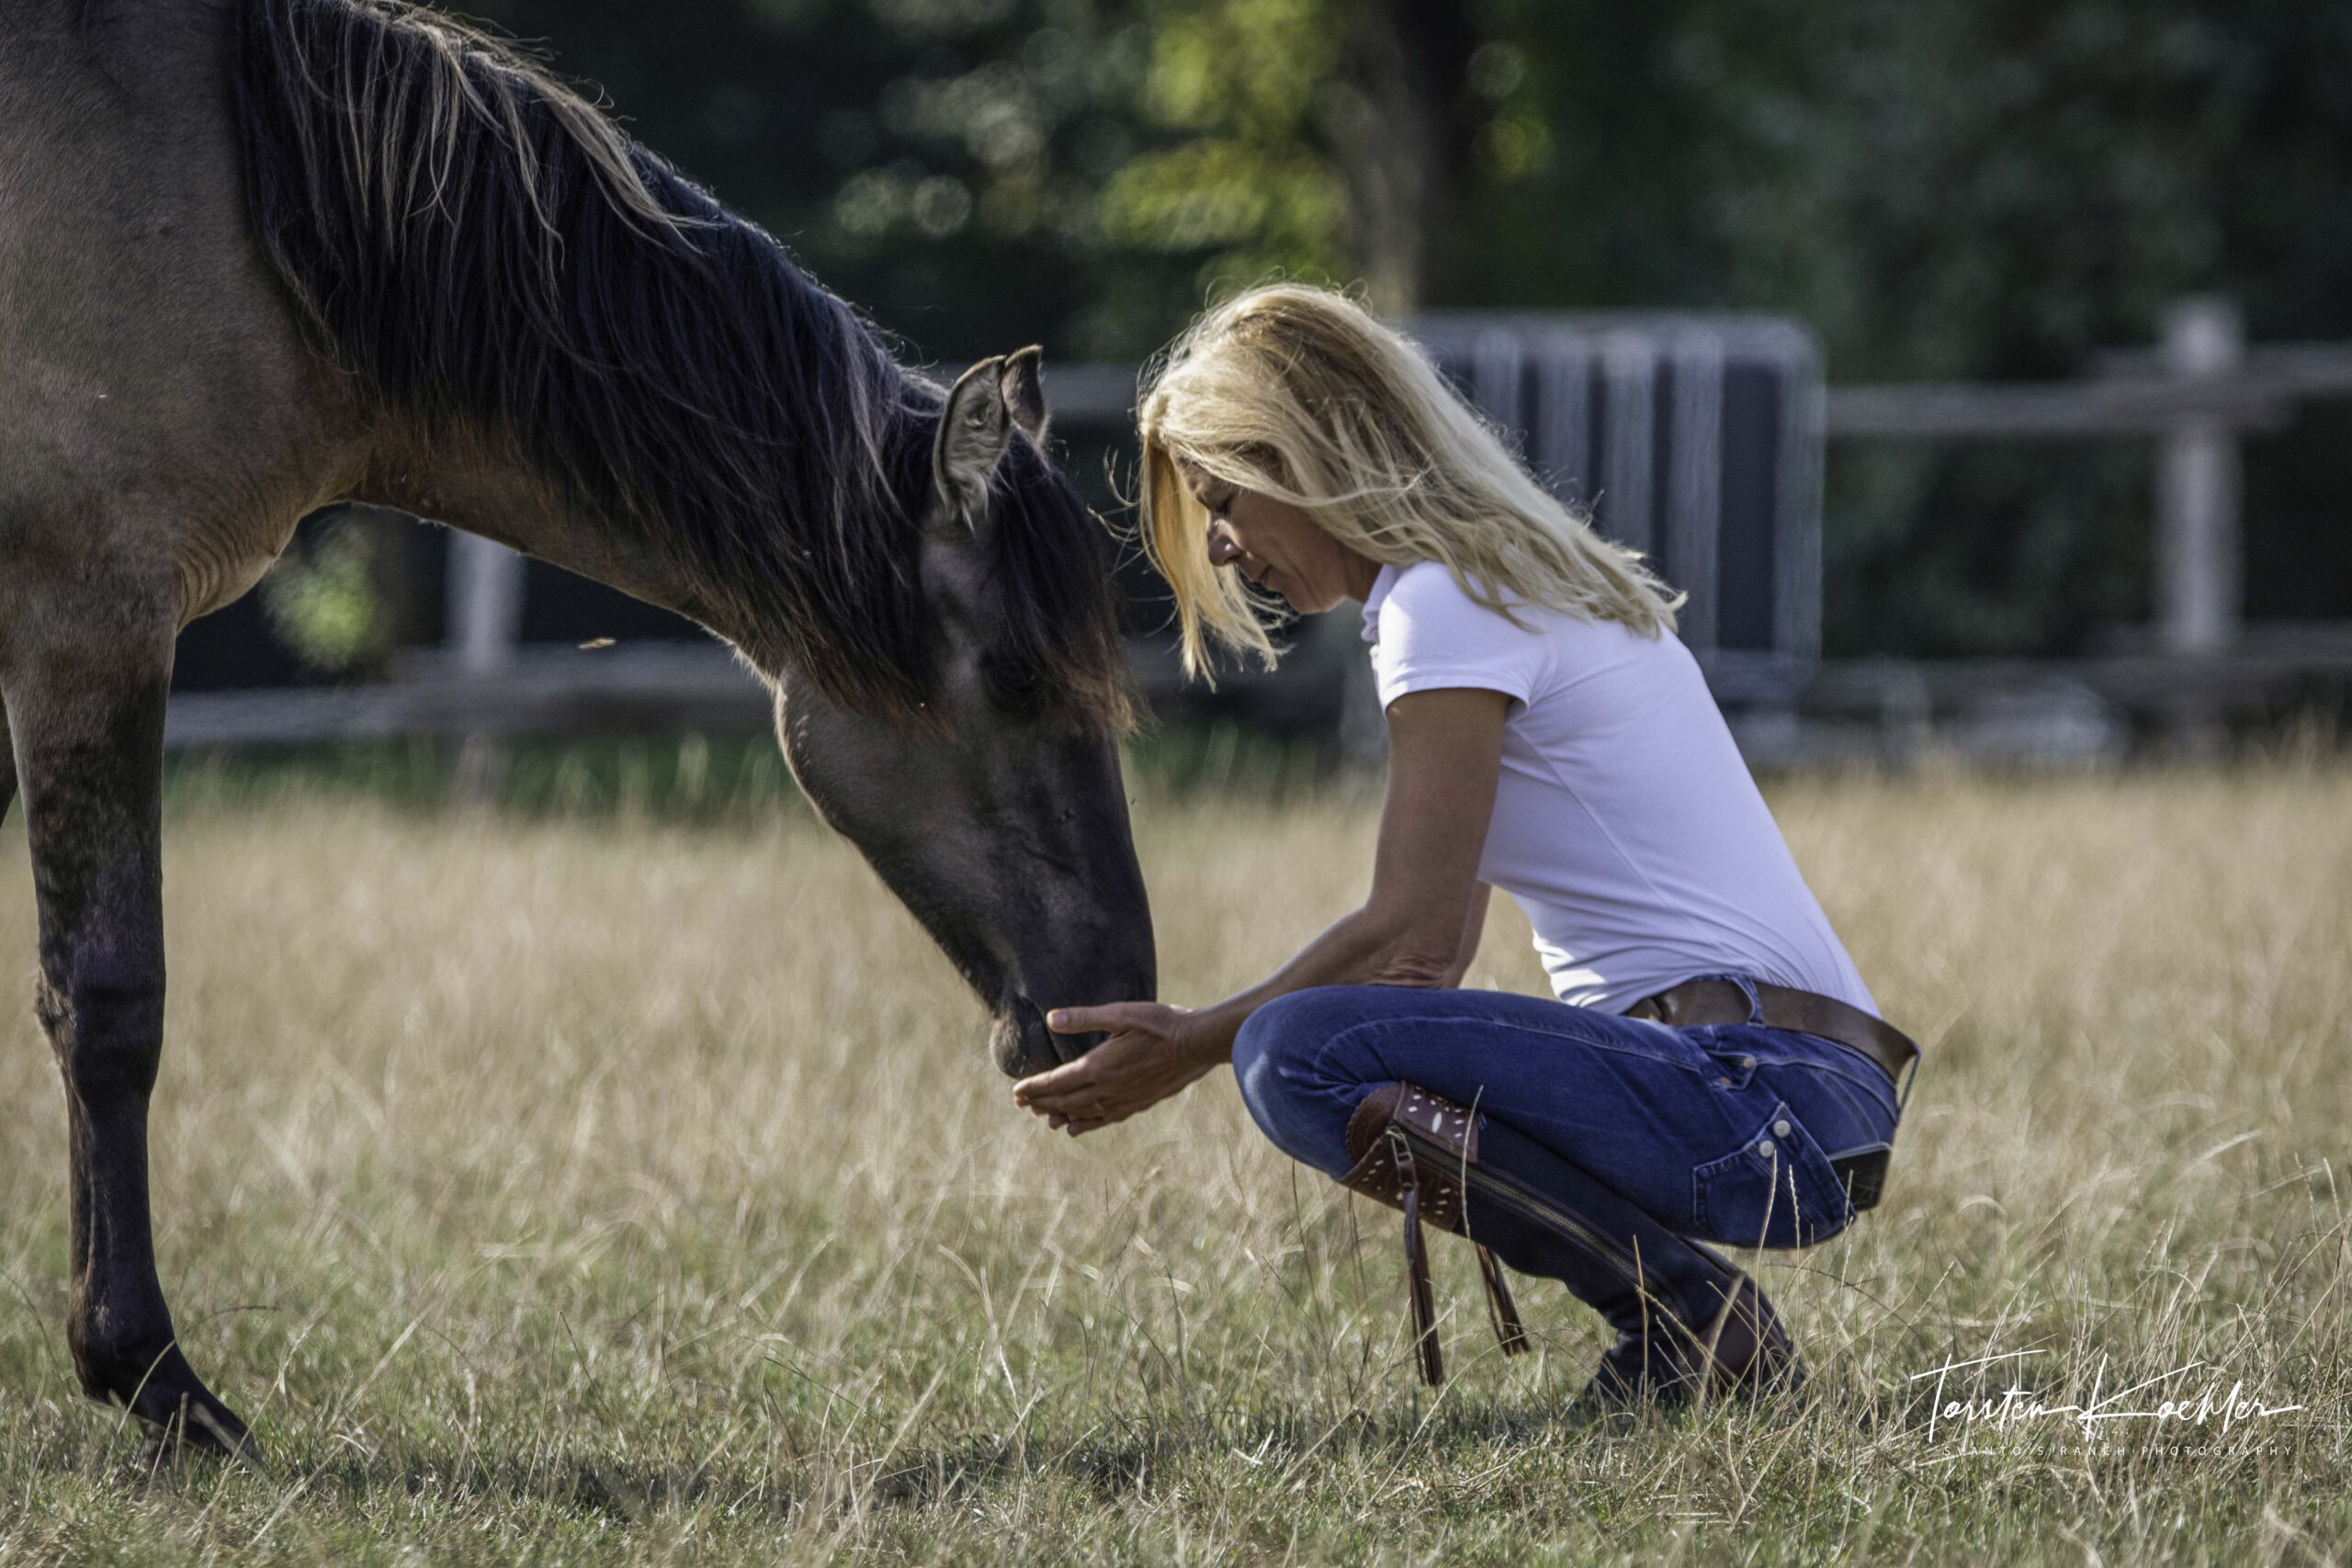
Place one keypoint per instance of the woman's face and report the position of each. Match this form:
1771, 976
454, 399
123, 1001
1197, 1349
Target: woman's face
1277, 545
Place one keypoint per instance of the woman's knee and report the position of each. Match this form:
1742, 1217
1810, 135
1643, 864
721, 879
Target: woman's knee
1265, 1039
1274, 1045
1281, 1060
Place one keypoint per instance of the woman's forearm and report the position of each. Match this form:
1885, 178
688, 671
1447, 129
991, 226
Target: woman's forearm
1474, 931
1359, 949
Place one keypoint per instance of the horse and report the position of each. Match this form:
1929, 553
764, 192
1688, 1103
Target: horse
261, 257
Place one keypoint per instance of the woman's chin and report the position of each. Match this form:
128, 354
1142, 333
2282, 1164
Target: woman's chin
1300, 602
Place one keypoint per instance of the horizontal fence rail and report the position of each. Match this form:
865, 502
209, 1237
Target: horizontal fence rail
1635, 414
2065, 410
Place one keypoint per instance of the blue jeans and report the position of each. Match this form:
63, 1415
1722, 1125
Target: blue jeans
1722, 1133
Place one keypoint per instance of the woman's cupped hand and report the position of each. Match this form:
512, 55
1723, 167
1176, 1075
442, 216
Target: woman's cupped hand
1153, 1050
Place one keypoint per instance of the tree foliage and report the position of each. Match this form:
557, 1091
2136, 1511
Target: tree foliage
1938, 191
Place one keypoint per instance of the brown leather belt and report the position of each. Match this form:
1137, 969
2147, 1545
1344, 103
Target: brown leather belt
1697, 1002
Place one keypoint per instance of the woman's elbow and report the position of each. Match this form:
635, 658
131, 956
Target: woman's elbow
1418, 957
1415, 970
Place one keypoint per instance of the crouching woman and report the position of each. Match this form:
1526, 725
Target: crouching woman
1710, 1067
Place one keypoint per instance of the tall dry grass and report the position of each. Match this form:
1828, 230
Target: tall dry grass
620, 1192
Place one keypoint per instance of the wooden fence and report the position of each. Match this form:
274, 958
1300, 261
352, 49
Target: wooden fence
2194, 397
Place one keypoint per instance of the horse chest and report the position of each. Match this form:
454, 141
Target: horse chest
219, 563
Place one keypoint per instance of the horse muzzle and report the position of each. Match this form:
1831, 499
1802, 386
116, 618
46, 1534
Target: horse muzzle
1024, 1047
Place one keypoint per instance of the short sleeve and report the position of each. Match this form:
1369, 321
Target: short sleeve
1432, 635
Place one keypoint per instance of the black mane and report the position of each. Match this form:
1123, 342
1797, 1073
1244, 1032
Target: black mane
479, 244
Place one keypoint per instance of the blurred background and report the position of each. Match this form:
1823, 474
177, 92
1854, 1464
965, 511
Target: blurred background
1984, 371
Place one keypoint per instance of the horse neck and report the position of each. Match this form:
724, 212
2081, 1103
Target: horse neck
487, 488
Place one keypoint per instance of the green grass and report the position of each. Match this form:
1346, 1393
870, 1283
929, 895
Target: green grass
624, 1184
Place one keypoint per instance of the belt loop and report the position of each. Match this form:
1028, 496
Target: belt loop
1755, 1003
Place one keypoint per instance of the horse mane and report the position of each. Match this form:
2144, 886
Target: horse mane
481, 246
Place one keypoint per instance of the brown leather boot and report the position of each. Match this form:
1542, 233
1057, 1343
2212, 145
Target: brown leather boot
1689, 1322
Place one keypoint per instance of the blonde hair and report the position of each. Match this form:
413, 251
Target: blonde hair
1301, 394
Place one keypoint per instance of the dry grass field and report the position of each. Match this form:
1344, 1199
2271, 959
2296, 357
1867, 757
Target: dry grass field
609, 1190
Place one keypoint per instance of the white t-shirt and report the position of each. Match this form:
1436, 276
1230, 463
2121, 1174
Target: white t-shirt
1625, 822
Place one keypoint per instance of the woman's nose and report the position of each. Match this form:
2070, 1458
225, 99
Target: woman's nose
1224, 549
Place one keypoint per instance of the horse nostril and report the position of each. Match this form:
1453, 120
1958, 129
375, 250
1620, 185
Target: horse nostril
1023, 1045
1042, 1044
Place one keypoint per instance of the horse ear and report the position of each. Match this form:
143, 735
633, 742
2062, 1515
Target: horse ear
1024, 391
974, 430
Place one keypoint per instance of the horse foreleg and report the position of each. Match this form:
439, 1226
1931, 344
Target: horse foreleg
89, 733
8, 765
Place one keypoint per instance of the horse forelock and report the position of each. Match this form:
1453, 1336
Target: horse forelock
482, 245
1055, 640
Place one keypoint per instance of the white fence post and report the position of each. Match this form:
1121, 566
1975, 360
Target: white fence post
2197, 486
485, 604
486, 634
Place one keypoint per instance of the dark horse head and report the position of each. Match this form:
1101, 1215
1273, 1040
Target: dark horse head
995, 807
508, 273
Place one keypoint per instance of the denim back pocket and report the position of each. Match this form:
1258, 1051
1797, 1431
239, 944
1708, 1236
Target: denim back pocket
1729, 1065
1776, 1189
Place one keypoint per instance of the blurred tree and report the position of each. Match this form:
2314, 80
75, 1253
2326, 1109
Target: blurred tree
1090, 168
1307, 136
2001, 190
335, 599
1996, 189
1990, 189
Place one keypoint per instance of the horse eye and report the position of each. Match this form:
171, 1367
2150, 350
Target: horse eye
1015, 687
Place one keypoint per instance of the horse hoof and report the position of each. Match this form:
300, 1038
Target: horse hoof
202, 1427
179, 1416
